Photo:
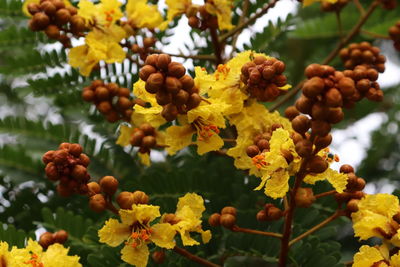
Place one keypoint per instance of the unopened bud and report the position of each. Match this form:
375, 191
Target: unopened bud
60, 156
262, 216
109, 185
84, 160
140, 197
352, 205
317, 164
214, 219
158, 256
60, 237
176, 70
146, 71
304, 197
252, 151
313, 87
97, 203
154, 82
301, 124
227, 220
48, 156
46, 239
79, 173
75, 149
125, 200
229, 210
93, 188
304, 148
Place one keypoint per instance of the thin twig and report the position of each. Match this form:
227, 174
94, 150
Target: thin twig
339, 23
248, 22
333, 217
110, 206
201, 57
256, 232
324, 194
376, 35
359, 7
194, 258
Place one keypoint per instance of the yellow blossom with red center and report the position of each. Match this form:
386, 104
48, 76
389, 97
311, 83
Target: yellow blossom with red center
103, 15
379, 256
136, 233
140, 14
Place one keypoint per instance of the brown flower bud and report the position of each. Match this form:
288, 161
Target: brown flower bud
124, 92
84, 160
227, 220
79, 173
273, 213
320, 128
360, 184
323, 141
229, 210
104, 107
60, 157
58, 4
252, 151
125, 200
194, 22
154, 82
137, 137
352, 205
396, 217
173, 85
88, 95
48, 156
146, 71
46, 239
48, 8
287, 155
158, 256
52, 31
40, 20
246, 67
335, 115
140, 197
97, 83
60, 237
149, 141
214, 219
163, 97
193, 101
317, 164
62, 16
97, 203
75, 150
93, 188
372, 74
64, 190
346, 86
255, 76
291, 112
112, 116
51, 171
313, 70
176, 70
333, 98
304, 197
262, 216
304, 148
258, 60
180, 98
77, 23
187, 82
313, 87
268, 72
346, 168
149, 42
102, 93
124, 103
169, 112
33, 8
304, 105
151, 60
301, 124
163, 61
109, 185
279, 66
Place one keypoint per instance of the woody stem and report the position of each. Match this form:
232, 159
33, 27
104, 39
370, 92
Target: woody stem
324, 194
256, 232
217, 45
194, 258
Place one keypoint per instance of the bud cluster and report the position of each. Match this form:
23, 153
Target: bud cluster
263, 78
112, 101
353, 192
394, 33
363, 54
126, 199
144, 137
199, 18
144, 50
174, 89
333, 7
68, 165
226, 218
56, 20
100, 192
47, 239
269, 213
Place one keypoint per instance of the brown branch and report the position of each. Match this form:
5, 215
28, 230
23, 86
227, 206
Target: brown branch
331, 56
333, 217
248, 22
324, 194
217, 45
339, 23
201, 57
110, 206
359, 7
194, 258
256, 232
376, 35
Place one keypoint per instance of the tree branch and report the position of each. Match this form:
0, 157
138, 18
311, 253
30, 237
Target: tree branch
256, 232
194, 258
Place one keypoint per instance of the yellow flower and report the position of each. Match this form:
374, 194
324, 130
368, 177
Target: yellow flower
374, 218
175, 8
376, 256
104, 14
188, 213
27, 2
205, 121
252, 120
136, 231
99, 45
337, 180
309, 2
142, 15
274, 168
222, 9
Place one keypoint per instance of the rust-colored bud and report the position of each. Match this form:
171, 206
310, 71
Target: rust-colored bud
137, 137
313, 70
58, 4
187, 82
246, 67
124, 103
273, 212
152, 60
40, 20
163, 97
48, 8
304, 148
48, 156
158, 256
33, 8
46, 239
319, 111
79, 173
268, 72
193, 101
214, 219
304, 105
149, 42
346, 86
263, 144
163, 61
176, 70
180, 98
173, 85
84, 159
334, 98
146, 71
52, 31
335, 115
60, 237
149, 141
154, 82
301, 124
317, 164
75, 150
252, 151
51, 171
125, 200
97, 203
124, 92
104, 107
279, 66
60, 157
352, 205
170, 218
62, 16
102, 93
77, 23
147, 128
372, 74
64, 190
258, 60
93, 188
291, 112
140, 197
313, 87
169, 112
109, 185
88, 95
346, 168
227, 220
229, 210
396, 217
360, 185
287, 155
320, 128
262, 216
323, 141
304, 197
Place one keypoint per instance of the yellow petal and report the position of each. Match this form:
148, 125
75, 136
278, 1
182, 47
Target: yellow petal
124, 137
395, 260
278, 185
136, 256
338, 180
212, 143
178, 137
205, 236
56, 255
194, 202
145, 159
139, 213
163, 235
222, 9
113, 233
367, 256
